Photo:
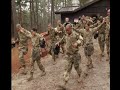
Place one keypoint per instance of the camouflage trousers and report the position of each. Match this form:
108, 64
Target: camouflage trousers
22, 51
108, 45
88, 49
63, 48
101, 40
72, 60
51, 51
36, 57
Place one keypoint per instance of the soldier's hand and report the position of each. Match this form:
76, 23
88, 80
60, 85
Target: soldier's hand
57, 43
21, 30
104, 20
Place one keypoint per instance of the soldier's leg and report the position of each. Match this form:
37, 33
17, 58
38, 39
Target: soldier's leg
76, 64
22, 61
89, 50
67, 71
89, 63
41, 67
62, 47
77, 68
101, 44
108, 49
54, 58
31, 70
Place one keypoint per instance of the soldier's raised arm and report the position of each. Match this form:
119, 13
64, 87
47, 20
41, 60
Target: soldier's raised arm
79, 30
61, 40
98, 27
28, 33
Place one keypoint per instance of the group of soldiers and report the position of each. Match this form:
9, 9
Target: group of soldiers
67, 38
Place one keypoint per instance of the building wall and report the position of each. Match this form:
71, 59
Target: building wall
96, 8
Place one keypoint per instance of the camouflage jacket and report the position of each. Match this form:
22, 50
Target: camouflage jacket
107, 31
53, 34
23, 38
60, 31
70, 40
35, 39
87, 35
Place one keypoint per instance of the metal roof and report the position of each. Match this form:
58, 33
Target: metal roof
71, 9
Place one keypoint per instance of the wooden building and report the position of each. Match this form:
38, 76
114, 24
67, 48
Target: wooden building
90, 8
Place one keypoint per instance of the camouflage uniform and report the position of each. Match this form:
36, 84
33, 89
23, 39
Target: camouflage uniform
61, 33
88, 43
53, 39
36, 54
23, 47
78, 26
107, 36
74, 57
101, 38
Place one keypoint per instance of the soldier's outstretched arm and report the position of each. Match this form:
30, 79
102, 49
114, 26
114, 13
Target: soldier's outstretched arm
98, 27
27, 33
61, 40
79, 31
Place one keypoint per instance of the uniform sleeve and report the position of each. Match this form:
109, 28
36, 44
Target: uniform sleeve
79, 31
97, 28
27, 33
79, 39
62, 39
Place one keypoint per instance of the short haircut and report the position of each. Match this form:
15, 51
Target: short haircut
18, 25
34, 29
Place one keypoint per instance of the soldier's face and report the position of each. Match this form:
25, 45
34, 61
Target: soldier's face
17, 29
33, 33
68, 29
49, 27
67, 19
58, 22
108, 13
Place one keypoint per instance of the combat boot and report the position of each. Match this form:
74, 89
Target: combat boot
79, 79
31, 77
23, 70
43, 73
102, 54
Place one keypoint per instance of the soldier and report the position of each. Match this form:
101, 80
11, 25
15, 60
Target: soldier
66, 22
88, 42
35, 38
61, 33
52, 32
23, 47
73, 57
82, 22
107, 32
101, 37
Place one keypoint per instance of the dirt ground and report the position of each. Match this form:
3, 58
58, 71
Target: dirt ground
98, 78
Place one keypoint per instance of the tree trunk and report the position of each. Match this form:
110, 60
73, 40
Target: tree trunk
48, 12
31, 19
33, 14
52, 13
20, 13
13, 19
37, 15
